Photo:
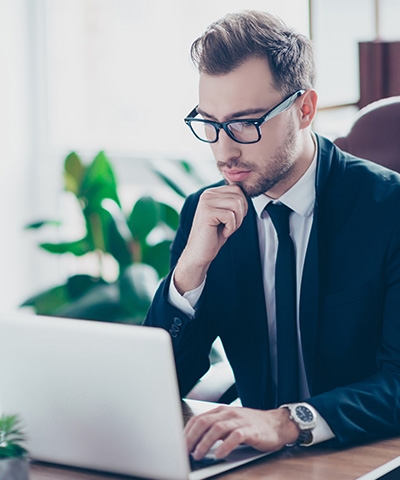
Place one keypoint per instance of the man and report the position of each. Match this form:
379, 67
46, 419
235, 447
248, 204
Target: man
311, 317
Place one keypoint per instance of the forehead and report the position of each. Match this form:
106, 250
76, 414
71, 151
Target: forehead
250, 86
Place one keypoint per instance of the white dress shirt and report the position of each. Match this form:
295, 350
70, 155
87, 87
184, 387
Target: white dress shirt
300, 198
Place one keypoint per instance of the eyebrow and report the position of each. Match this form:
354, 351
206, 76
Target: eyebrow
233, 116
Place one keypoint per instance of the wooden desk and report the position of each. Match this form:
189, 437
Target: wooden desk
314, 463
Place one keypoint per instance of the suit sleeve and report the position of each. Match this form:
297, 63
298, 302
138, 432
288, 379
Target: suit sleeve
191, 337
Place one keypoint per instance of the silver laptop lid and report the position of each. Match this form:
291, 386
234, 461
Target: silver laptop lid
95, 395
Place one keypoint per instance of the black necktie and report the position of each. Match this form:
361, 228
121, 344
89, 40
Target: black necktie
285, 298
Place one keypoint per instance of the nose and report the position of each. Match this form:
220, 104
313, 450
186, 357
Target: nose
225, 149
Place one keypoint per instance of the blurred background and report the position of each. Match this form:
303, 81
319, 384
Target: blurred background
115, 76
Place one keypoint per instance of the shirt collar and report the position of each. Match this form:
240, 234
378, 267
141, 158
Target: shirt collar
300, 197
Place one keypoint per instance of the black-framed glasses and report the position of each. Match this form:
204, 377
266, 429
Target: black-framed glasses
241, 131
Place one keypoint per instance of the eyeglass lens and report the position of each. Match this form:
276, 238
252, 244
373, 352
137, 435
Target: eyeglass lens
242, 131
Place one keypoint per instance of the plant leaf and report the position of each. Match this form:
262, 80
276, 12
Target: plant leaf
78, 285
118, 237
45, 303
169, 216
97, 222
138, 284
11, 437
49, 301
158, 257
99, 182
187, 166
144, 217
42, 223
74, 171
78, 247
118, 247
193, 173
101, 303
12, 451
70, 184
173, 185
118, 218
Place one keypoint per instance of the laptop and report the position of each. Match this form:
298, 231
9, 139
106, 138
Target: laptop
387, 471
99, 396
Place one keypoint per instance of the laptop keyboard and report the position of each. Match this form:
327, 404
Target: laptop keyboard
206, 461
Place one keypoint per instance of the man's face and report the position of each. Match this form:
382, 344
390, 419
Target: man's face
269, 166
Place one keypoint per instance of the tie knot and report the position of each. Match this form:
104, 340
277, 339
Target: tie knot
279, 215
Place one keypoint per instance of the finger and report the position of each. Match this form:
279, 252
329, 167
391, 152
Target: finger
224, 213
231, 441
197, 426
218, 431
227, 193
229, 188
195, 429
215, 218
227, 219
234, 201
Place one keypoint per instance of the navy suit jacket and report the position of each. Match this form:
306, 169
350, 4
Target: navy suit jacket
349, 305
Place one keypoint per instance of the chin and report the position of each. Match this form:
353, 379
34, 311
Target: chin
249, 190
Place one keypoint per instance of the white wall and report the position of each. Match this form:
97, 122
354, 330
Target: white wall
114, 66
20, 170
16, 142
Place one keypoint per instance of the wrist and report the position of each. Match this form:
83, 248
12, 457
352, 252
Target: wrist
304, 416
188, 275
289, 428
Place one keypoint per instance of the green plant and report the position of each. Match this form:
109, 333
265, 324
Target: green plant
109, 232
11, 437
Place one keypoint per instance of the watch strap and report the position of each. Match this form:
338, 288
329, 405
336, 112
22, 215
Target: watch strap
305, 437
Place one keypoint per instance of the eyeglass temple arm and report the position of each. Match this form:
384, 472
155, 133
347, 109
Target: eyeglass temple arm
193, 113
283, 106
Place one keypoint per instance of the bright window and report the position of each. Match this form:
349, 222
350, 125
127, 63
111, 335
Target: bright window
119, 75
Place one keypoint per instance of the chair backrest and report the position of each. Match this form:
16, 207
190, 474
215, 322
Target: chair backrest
375, 134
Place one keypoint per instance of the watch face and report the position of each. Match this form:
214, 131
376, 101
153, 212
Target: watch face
304, 413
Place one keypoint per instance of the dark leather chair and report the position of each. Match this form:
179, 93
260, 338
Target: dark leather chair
375, 134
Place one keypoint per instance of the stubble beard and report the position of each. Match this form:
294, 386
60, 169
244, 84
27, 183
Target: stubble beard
274, 170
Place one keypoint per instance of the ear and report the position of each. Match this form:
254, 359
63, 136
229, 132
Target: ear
308, 107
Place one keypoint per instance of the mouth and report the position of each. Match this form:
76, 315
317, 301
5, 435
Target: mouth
234, 175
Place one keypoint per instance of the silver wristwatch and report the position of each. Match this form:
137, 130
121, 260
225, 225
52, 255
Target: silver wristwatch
305, 417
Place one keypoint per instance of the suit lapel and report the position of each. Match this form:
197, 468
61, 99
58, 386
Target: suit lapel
246, 256
309, 302
311, 279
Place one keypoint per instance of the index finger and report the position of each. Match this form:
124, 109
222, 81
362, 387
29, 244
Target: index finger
230, 197
197, 426
195, 429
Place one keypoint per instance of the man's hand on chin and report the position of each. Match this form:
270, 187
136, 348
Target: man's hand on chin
265, 430
219, 214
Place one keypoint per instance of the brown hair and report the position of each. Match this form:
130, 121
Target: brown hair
230, 41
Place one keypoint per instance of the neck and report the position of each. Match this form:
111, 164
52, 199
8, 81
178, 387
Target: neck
306, 147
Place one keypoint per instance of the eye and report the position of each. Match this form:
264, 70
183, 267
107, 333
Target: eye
241, 126
247, 124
